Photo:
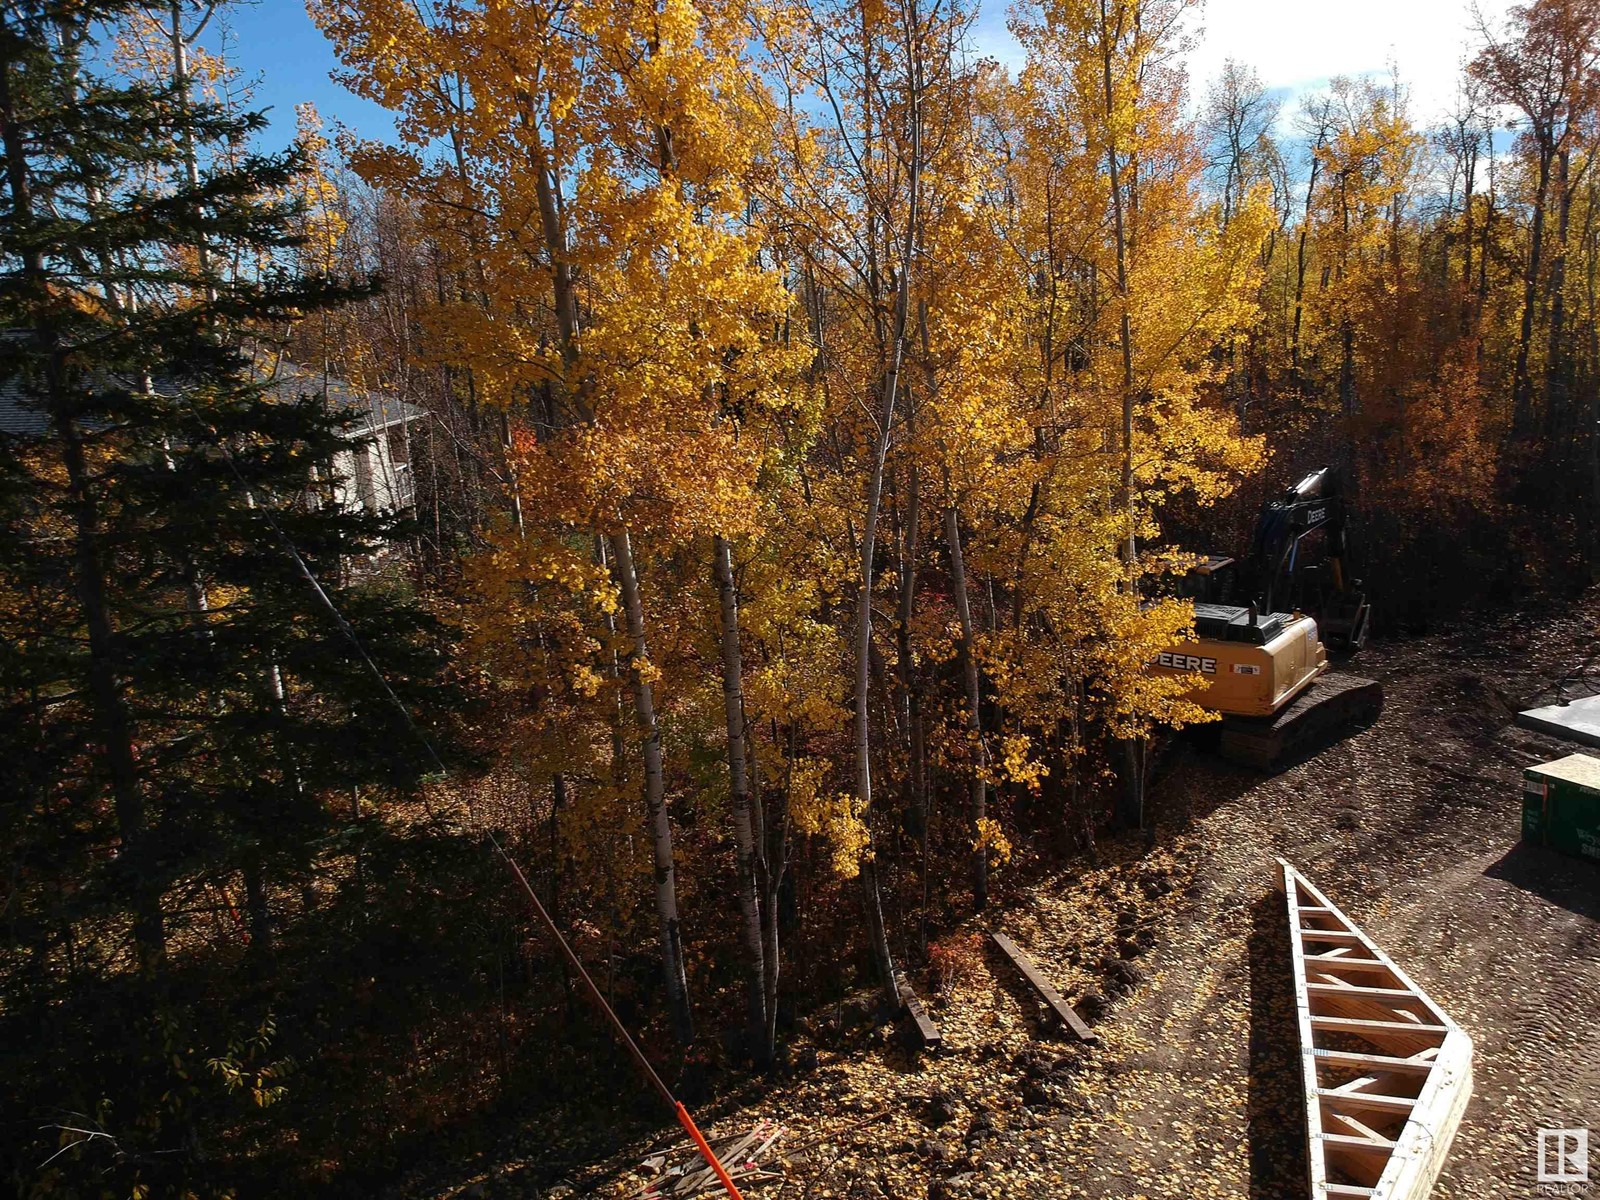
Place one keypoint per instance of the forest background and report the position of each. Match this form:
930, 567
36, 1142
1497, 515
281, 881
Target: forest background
815, 414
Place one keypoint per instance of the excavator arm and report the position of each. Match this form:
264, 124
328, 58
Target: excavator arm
1278, 575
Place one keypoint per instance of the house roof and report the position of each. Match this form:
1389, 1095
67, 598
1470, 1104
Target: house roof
19, 418
22, 417
379, 410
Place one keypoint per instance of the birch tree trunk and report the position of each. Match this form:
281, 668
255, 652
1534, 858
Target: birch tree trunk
669, 929
916, 769
884, 419
1594, 479
558, 804
773, 866
1486, 237
744, 830
1522, 380
1108, 39
1323, 117
969, 655
877, 936
644, 705
1557, 377
1133, 777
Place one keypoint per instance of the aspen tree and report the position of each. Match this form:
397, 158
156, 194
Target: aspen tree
604, 152
1547, 65
745, 827
1108, 148
834, 56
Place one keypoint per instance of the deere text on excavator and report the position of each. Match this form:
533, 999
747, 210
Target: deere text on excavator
1265, 662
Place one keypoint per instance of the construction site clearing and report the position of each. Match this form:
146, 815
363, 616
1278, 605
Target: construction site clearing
1406, 844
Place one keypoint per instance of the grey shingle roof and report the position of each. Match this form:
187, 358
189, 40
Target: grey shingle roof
20, 416
380, 410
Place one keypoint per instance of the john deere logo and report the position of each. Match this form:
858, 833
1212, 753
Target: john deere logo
1187, 662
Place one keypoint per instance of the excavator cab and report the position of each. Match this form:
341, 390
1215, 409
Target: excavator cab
1211, 581
1296, 564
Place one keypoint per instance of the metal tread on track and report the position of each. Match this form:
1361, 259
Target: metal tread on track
1387, 1073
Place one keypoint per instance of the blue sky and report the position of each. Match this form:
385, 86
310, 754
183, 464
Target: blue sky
1296, 45
277, 48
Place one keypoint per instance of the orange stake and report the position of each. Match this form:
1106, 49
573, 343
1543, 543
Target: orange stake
688, 1124
623, 1035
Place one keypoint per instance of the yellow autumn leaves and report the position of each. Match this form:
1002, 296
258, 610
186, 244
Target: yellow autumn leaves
674, 236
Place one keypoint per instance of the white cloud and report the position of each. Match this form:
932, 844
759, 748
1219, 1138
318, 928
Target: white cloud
1298, 45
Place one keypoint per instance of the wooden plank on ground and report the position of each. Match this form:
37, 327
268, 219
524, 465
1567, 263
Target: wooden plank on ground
1064, 1011
679, 1173
922, 1025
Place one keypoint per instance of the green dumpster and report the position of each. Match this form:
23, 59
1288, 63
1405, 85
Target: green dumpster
1561, 805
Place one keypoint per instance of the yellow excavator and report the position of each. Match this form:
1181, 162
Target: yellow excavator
1265, 662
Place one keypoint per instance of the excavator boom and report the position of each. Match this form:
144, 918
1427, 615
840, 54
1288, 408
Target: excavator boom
1277, 570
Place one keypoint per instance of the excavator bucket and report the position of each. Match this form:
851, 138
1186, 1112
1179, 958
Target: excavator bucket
1343, 622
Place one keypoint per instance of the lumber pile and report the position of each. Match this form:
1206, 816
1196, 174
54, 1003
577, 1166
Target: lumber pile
682, 1174
1387, 1074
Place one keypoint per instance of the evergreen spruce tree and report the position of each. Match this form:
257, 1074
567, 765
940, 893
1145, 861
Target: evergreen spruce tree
186, 715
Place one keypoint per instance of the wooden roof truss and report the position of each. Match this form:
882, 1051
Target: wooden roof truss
1387, 1073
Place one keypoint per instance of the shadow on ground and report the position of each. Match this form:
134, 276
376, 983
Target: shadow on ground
1276, 1121
1569, 882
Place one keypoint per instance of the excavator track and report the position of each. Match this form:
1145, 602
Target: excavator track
1332, 705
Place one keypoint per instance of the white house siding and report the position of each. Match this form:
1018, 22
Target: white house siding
376, 474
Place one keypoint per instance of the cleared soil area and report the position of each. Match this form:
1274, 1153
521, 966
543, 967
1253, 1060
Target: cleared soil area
1412, 826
